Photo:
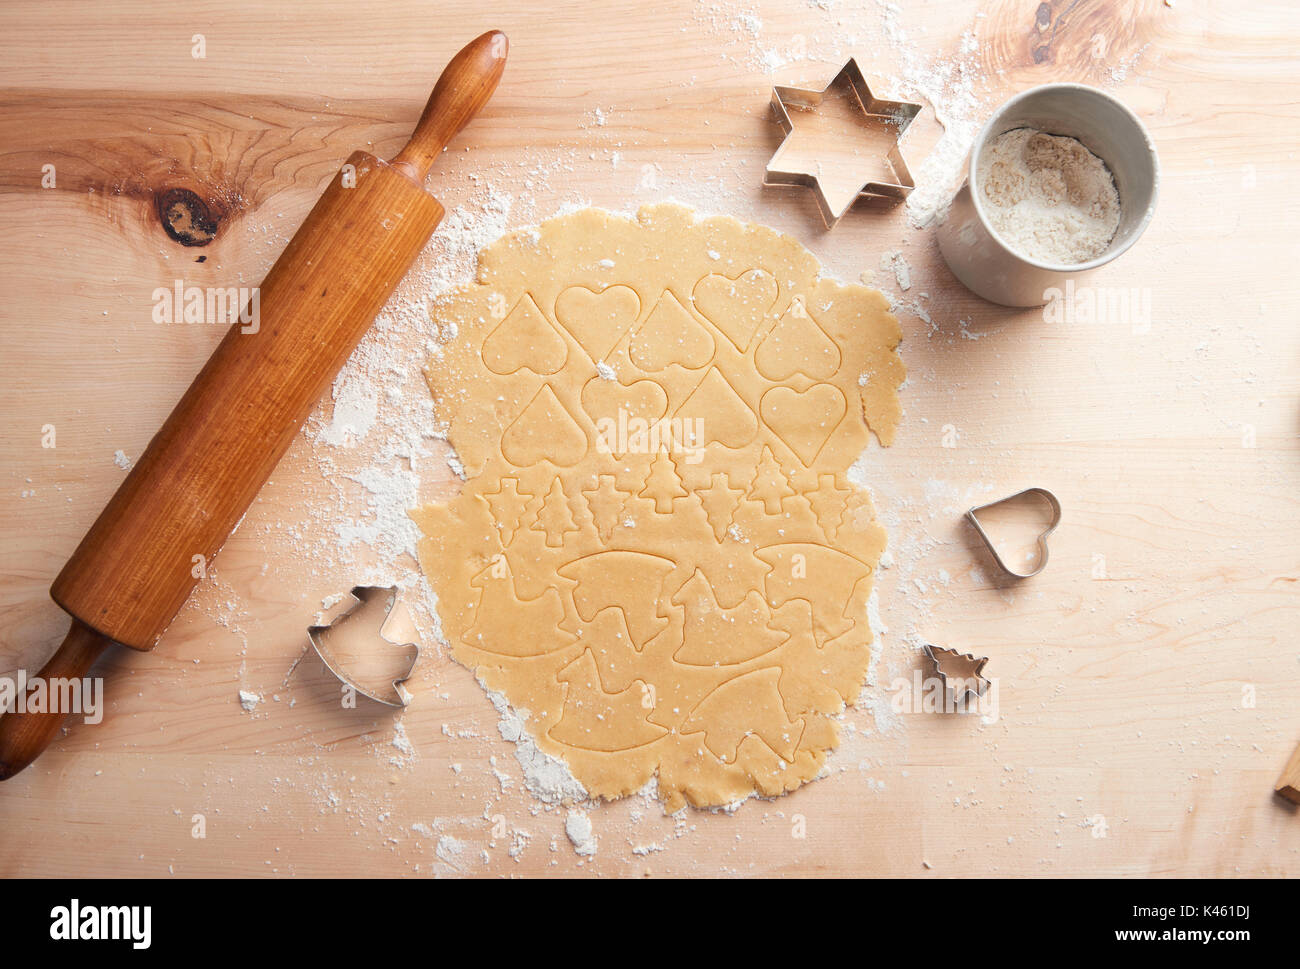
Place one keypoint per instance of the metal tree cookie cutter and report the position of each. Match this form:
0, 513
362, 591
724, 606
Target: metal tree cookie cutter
897, 114
973, 517
960, 671
341, 662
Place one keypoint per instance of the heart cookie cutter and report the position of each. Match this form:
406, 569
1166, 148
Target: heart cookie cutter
898, 114
361, 595
973, 517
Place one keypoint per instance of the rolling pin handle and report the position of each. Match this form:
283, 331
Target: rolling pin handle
1288, 785
464, 87
24, 735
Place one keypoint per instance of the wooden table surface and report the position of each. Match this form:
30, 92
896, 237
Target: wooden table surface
1147, 679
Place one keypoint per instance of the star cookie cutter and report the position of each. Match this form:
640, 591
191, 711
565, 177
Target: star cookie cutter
896, 113
973, 517
962, 672
337, 662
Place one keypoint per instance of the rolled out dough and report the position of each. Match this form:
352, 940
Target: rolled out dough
657, 556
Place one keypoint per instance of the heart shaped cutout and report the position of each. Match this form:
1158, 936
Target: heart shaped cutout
1012, 503
670, 335
717, 414
619, 409
524, 339
544, 431
803, 421
598, 320
797, 344
737, 306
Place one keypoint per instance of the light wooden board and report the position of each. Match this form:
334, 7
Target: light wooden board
1146, 679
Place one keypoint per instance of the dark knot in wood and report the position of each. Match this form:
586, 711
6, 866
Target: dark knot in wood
186, 217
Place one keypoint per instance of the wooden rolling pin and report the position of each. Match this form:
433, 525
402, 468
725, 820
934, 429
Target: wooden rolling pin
1288, 785
137, 565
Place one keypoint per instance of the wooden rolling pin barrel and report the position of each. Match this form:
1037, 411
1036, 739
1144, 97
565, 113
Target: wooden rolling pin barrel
139, 562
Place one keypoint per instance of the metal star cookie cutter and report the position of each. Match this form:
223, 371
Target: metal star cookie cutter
896, 113
335, 662
964, 669
972, 517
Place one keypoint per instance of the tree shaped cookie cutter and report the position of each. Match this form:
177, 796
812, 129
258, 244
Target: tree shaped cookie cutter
336, 663
963, 673
898, 114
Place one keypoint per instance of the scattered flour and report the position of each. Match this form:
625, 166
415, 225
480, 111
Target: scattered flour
546, 777
401, 741
953, 85
249, 700
894, 261
373, 438
578, 827
450, 850
356, 407
121, 460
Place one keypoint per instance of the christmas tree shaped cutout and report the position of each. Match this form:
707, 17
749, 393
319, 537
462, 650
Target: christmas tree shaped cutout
555, 518
770, 484
662, 484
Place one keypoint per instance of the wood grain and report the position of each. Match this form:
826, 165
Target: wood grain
1146, 678
287, 341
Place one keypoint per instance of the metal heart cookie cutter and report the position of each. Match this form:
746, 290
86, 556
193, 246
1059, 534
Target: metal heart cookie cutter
345, 664
973, 517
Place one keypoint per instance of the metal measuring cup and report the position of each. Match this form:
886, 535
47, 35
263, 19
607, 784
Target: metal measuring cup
972, 248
